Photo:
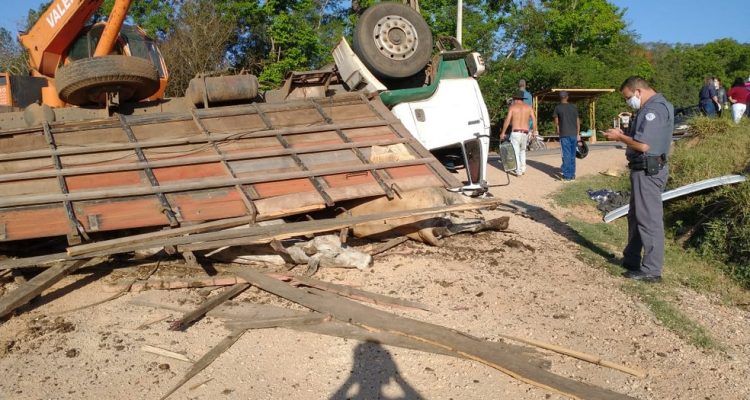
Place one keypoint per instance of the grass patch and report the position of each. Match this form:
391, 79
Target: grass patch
575, 192
683, 267
670, 316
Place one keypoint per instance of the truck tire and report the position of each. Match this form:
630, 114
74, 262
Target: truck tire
88, 80
392, 40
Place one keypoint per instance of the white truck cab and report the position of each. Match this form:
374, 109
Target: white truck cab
448, 115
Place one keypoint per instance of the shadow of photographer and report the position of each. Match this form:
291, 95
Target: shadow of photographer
374, 375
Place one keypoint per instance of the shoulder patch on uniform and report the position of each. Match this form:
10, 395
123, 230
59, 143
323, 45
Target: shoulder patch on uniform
650, 116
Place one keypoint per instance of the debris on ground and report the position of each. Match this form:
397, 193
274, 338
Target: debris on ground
608, 200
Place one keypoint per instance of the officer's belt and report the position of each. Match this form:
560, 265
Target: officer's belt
640, 163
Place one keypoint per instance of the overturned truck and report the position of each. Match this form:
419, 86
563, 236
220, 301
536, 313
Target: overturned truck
388, 118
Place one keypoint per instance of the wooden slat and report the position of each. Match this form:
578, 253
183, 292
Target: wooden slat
379, 176
207, 306
247, 194
504, 358
36, 286
195, 139
166, 207
314, 180
13, 201
73, 235
186, 161
254, 234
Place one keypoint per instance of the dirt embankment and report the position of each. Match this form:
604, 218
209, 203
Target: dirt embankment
526, 283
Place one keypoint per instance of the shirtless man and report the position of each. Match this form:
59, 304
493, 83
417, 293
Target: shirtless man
519, 114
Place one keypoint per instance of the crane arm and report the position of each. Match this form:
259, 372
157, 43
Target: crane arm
60, 25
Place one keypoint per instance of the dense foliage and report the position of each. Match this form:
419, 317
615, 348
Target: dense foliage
716, 223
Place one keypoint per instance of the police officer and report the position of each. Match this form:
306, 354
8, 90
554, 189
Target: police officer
647, 141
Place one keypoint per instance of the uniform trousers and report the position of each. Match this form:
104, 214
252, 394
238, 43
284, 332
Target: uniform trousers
645, 248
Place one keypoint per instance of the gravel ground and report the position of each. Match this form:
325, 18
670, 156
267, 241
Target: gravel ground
485, 285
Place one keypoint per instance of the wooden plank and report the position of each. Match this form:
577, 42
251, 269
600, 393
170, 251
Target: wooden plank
509, 361
380, 176
248, 194
166, 208
151, 236
263, 316
207, 305
235, 238
195, 139
353, 293
34, 287
207, 359
73, 236
13, 201
253, 235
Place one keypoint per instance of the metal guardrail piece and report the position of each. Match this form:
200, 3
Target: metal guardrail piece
681, 191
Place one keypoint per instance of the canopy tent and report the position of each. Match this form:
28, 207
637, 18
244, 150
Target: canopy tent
574, 95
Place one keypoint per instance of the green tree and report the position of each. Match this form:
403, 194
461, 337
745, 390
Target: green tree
12, 57
564, 44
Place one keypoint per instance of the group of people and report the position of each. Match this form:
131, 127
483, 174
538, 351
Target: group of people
523, 123
647, 141
713, 98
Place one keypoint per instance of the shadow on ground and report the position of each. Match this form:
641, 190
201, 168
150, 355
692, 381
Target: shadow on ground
374, 375
553, 172
543, 216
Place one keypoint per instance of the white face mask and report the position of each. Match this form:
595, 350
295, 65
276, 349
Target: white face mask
634, 102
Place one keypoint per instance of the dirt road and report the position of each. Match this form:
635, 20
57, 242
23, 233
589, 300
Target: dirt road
478, 284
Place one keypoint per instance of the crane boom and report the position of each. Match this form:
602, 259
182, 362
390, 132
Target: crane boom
55, 30
59, 26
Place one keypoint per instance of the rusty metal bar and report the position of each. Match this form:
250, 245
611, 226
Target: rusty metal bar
317, 182
247, 198
166, 207
74, 236
378, 175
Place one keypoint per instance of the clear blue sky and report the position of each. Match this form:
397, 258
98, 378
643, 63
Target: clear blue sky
671, 21
687, 21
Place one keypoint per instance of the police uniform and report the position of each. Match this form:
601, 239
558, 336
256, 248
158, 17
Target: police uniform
654, 125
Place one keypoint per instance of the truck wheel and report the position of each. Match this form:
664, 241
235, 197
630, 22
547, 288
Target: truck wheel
88, 80
392, 40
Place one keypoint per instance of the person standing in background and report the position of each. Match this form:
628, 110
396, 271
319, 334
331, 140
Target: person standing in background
707, 99
721, 94
527, 99
738, 96
568, 128
518, 115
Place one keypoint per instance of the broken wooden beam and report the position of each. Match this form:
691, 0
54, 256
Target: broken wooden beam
352, 293
36, 285
234, 237
209, 304
501, 357
207, 359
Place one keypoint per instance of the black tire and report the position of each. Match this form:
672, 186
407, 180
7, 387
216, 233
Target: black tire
392, 40
88, 80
